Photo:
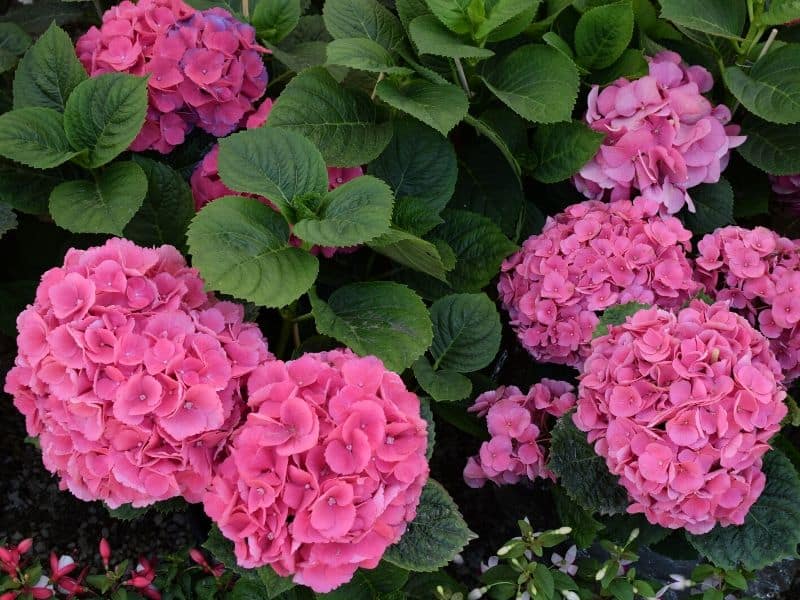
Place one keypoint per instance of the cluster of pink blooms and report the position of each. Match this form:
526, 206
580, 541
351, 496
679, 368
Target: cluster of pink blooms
204, 67
515, 422
590, 257
758, 272
662, 136
682, 407
326, 471
131, 375
787, 192
207, 184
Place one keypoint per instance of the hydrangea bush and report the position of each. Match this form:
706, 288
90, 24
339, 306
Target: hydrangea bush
295, 261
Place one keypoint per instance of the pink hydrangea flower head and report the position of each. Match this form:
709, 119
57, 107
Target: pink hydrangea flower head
326, 471
207, 184
758, 272
787, 192
516, 423
681, 405
662, 136
131, 375
590, 257
204, 67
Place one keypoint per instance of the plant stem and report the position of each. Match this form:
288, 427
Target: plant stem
296, 335
306, 317
381, 75
772, 35
246, 9
98, 7
462, 77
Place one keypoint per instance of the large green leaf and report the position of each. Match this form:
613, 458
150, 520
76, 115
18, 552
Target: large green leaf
167, 209
581, 472
370, 584
241, 247
631, 65
439, 105
363, 18
443, 386
105, 114
418, 162
771, 529
353, 213
27, 190
363, 54
276, 163
48, 72
466, 332
382, 318
584, 526
713, 204
780, 12
603, 33
414, 252
537, 82
275, 19
724, 18
771, 89
435, 536
770, 147
13, 43
342, 123
500, 12
432, 37
104, 205
561, 149
416, 216
452, 13
35, 137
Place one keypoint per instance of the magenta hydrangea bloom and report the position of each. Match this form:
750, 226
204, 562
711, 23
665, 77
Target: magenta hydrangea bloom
131, 375
682, 407
758, 272
662, 136
516, 422
590, 257
205, 67
327, 470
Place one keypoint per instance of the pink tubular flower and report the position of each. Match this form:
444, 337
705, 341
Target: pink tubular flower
326, 471
662, 136
204, 67
758, 272
590, 257
515, 422
682, 407
208, 186
130, 374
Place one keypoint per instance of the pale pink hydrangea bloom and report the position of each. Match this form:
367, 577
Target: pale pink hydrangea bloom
204, 67
516, 421
130, 374
207, 184
590, 257
662, 136
682, 407
327, 470
758, 272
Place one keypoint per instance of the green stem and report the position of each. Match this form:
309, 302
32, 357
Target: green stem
462, 77
98, 8
305, 317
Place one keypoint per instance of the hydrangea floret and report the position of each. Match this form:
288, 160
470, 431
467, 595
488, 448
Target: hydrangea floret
758, 272
204, 67
131, 375
516, 423
326, 471
662, 136
590, 257
681, 405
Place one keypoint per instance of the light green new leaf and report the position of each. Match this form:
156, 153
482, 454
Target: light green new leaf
104, 205
713, 207
562, 149
723, 18
353, 213
363, 54
241, 247
35, 137
616, 315
500, 13
780, 12
48, 72
772, 88
466, 332
275, 19
363, 19
439, 105
772, 148
409, 250
603, 33
381, 318
432, 37
342, 123
436, 534
452, 13
105, 114
443, 386
278, 164
537, 82
771, 529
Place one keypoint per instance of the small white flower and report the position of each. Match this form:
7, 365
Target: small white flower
458, 559
528, 554
524, 596
563, 531
43, 583
64, 561
622, 564
566, 563
570, 595
476, 594
680, 583
492, 562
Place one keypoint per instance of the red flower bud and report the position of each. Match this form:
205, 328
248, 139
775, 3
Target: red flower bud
105, 552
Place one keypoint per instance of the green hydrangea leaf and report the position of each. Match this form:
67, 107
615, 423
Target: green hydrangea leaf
443, 386
780, 12
370, 584
723, 18
413, 252
561, 149
631, 65
241, 248
616, 315
713, 207
427, 414
452, 13
570, 514
603, 33
466, 332
27, 190
365, 19
35, 137
363, 54
499, 13
438, 105
275, 19
8, 219
772, 148
432, 37
437, 533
